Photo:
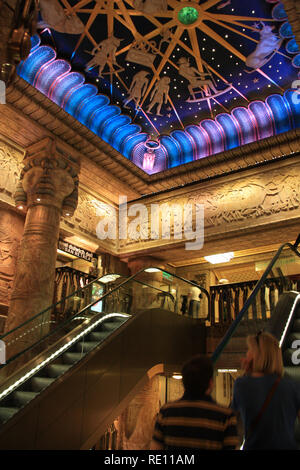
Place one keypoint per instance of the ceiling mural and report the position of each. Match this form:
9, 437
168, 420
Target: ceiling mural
166, 82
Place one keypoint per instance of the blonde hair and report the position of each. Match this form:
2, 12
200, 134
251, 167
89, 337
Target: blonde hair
267, 356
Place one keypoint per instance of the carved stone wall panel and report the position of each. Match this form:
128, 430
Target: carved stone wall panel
10, 169
86, 217
11, 230
135, 425
260, 198
239, 202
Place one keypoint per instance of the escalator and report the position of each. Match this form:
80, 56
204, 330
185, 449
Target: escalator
283, 319
65, 381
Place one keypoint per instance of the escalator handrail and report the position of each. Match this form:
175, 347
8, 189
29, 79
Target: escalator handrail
2, 337
68, 320
250, 299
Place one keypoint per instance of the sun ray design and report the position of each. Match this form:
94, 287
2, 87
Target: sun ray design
170, 63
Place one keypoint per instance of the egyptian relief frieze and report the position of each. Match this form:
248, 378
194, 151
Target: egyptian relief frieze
11, 231
10, 169
269, 195
86, 218
11, 223
256, 197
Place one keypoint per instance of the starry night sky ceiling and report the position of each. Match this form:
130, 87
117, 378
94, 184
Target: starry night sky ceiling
166, 82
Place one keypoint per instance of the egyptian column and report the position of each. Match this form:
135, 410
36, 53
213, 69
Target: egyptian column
47, 190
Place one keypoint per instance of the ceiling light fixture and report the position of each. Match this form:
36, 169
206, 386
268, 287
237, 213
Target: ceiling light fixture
109, 278
152, 270
221, 258
177, 376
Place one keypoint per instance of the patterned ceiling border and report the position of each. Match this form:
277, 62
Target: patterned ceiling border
56, 80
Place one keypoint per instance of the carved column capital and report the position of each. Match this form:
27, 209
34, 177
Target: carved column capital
49, 177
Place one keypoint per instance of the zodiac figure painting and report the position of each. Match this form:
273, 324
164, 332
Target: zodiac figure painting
104, 53
140, 53
151, 6
166, 37
268, 44
159, 95
137, 88
196, 79
56, 17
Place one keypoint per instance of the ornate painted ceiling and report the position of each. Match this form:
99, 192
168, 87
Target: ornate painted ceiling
166, 82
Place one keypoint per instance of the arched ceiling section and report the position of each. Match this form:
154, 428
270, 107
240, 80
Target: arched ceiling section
166, 82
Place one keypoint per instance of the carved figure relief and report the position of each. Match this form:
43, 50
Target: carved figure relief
253, 199
151, 6
268, 44
142, 53
240, 202
159, 95
57, 18
10, 169
9, 243
198, 80
104, 53
87, 216
137, 88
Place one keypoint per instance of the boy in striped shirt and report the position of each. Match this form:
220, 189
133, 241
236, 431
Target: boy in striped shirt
195, 421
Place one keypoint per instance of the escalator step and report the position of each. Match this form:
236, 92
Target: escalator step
39, 383
294, 336
97, 336
21, 398
287, 357
55, 370
72, 357
107, 326
296, 326
292, 372
86, 345
6, 413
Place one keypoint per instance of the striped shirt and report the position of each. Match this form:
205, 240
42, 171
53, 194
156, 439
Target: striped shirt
196, 424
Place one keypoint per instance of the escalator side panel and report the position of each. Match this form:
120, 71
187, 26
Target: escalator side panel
75, 406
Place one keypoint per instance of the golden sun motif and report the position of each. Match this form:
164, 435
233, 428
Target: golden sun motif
172, 21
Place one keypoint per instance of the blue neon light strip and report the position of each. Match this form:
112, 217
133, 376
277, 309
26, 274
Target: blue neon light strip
55, 79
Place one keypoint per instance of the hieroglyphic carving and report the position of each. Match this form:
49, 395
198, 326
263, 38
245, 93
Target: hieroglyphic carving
54, 16
255, 198
10, 233
241, 203
86, 217
10, 168
135, 424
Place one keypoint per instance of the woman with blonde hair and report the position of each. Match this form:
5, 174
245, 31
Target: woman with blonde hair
268, 402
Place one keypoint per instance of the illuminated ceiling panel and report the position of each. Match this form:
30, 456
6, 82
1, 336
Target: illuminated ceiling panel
166, 82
